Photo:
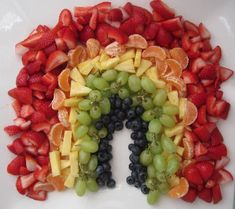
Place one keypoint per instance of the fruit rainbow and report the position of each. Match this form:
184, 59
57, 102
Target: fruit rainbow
104, 68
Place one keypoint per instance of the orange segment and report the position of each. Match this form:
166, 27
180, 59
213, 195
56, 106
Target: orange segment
180, 190
77, 55
58, 99
137, 41
93, 47
177, 82
56, 134
161, 67
115, 49
39, 186
154, 51
180, 55
63, 117
190, 113
63, 80
188, 148
56, 181
175, 67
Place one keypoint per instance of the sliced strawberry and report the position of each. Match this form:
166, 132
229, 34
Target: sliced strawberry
41, 57
198, 99
19, 49
46, 40
210, 127
226, 176
33, 138
61, 45
216, 137
195, 89
16, 147
93, 19
164, 38
35, 78
33, 67
200, 149
86, 34
39, 195
44, 148
24, 171
31, 163
49, 49
32, 150
115, 15
42, 160
41, 173
217, 152
189, 26
204, 33
207, 55
190, 196
14, 166
222, 162
202, 133
151, 31
38, 117
192, 174
157, 17
195, 50
197, 65
210, 105
207, 73
186, 43
209, 184
42, 28
127, 27
44, 126
216, 194
225, 73
17, 107
65, 17
205, 195
190, 135
56, 59
39, 95
39, 186
22, 78
12, 130
82, 11
161, 8
205, 169
173, 24
22, 123
70, 39
189, 77
26, 111
22, 94
50, 80
32, 40
221, 109
44, 107
202, 116
215, 59
38, 87
19, 186
145, 15
219, 94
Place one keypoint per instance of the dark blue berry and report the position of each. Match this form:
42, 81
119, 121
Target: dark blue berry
130, 180
139, 110
111, 183
144, 189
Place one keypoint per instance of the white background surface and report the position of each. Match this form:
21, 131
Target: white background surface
19, 17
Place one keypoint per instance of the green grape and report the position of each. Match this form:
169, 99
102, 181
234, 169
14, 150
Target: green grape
155, 148
100, 83
95, 112
167, 121
84, 157
122, 78
148, 85
163, 188
95, 96
93, 162
148, 115
89, 81
105, 105
170, 109
159, 163
92, 185
84, 118
80, 187
102, 133
90, 146
173, 165
123, 93
110, 75
155, 126
81, 131
106, 93
150, 136
153, 197
92, 130
114, 87
135, 101
86, 137
85, 105
160, 97
146, 157
167, 144
134, 83
147, 103
151, 171
160, 176
151, 183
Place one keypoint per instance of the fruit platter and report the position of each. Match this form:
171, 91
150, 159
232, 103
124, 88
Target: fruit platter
118, 105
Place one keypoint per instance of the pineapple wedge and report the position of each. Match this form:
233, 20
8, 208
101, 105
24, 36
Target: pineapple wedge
144, 65
76, 89
130, 54
110, 63
76, 76
71, 102
173, 97
66, 144
69, 182
137, 57
55, 163
127, 66
85, 67
151, 73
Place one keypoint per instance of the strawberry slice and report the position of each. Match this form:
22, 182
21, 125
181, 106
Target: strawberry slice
56, 59
200, 149
33, 67
204, 33
226, 176
44, 126
190, 196
207, 73
41, 173
39, 186
144, 14
32, 40
202, 116
17, 107
126, 26
14, 166
22, 94
12, 130
202, 133
115, 15
26, 111
38, 117
216, 137
22, 78
191, 136
217, 152
65, 17
44, 148
37, 195
19, 186
35, 78
189, 26
222, 162
69, 38
93, 19
45, 40
198, 99
42, 160
16, 147
164, 38
27, 180
31, 163
225, 73
161, 8
216, 194
151, 31
33, 138
221, 109
61, 45
32, 150
206, 195
186, 43
205, 169
215, 59
86, 34
197, 65
189, 77
44, 107
192, 174
49, 49
173, 24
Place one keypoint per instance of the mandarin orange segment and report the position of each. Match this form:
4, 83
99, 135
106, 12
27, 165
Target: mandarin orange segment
137, 41
178, 83
179, 190
58, 99
175, 67
39, 186
154, 51
190, 113
63, 80
180, 55
93, 47
115, 49
77, 55
56, 181
56, 134
63, 117
188, 148
161, 67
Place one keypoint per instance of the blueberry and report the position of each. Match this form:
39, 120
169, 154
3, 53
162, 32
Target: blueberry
127, 101
128, 124
134, 158
137, 184
111, 127
130, 180
100, 182
111, 183
134, 149
139, 135
118, 126
103, 156
130, 114
105, 119
99, 125
144, 189
99, 170
125, 107
103, 146
121, 115
141, 143
134, 175
136, 125
106, 166
109, 137
144, 125
142, 177
118, 103
114, 118
139, 110
109, 148
131, 166
105, 176
134, 135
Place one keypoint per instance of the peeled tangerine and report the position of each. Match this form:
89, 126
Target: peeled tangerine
190, 113
179, 190
93, 47
63, 80
58, 99
56, 134
180, 55
137, 41
154, 51
63, 117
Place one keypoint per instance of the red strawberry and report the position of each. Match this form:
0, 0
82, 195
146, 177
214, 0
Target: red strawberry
39, 195
127, 27
186, 43
49, 49
22, 78
65, 17
206, 45
22, 123
33, 138
31, 163
192, 174
216, 137
56, 59
189, 26
202, 117
117, 35
16, 147
151, 31
173, 24
205, 169
204, 33
225, 73
33, 67
35, 78
32, 150
29, 56
222, 162
206, 55
22, 94
202, 133
210, 105
14, 166
219, 94
39, 186
17, 107
226, 176
93, 19
190, 135
157, 17
161, 8
195, 89
190, 196
141, 12
24, 171
38, 117
115, 15
38, 87
86, 33
42, 160
26, 111
27, 180
44, 148
215, 59
12, 130
209, 184
42, 28
44, 126
216, 152
47, 39
207, 73
32, 40
195, 50
41, 57
69, 38
221, 109
50, 80
189, 77
216, 194
39, 95
197, 65
41, 173
61, 45
44, 107
163, 38
19, 186
205, 195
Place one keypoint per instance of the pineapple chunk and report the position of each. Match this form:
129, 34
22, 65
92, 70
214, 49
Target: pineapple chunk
55, 163
71, 102
69, 182
66, 145
64, 164
73, 158
85, 67
137, 57
178, 139
182, 107
73, 115
76, 76
130, 54
144, 65
103, 57
173, 97
180, 150
74, 127
178, 129
98, 66
127, 66
110, 63
151, 73
77, 89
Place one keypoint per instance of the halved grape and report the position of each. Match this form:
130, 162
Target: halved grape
92, 185
93, 162
167, 144
85, 105
100, 83
123, 93
114, 87
160, 97
147, 103
92, 130
155, 126
90, 146
146, 157
84, 157
153, 197
102, 133
95, 96
173, 165
160, 176
167, 121
84, 118
151, 171
122, 78
105, 105
148, 115
155, 148
82, 131
148, 85
80, 187
134, 83
163, 188
170, 109
89, 81
109, 75
95, 112
159, 162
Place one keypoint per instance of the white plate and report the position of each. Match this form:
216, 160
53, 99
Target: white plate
18, 18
